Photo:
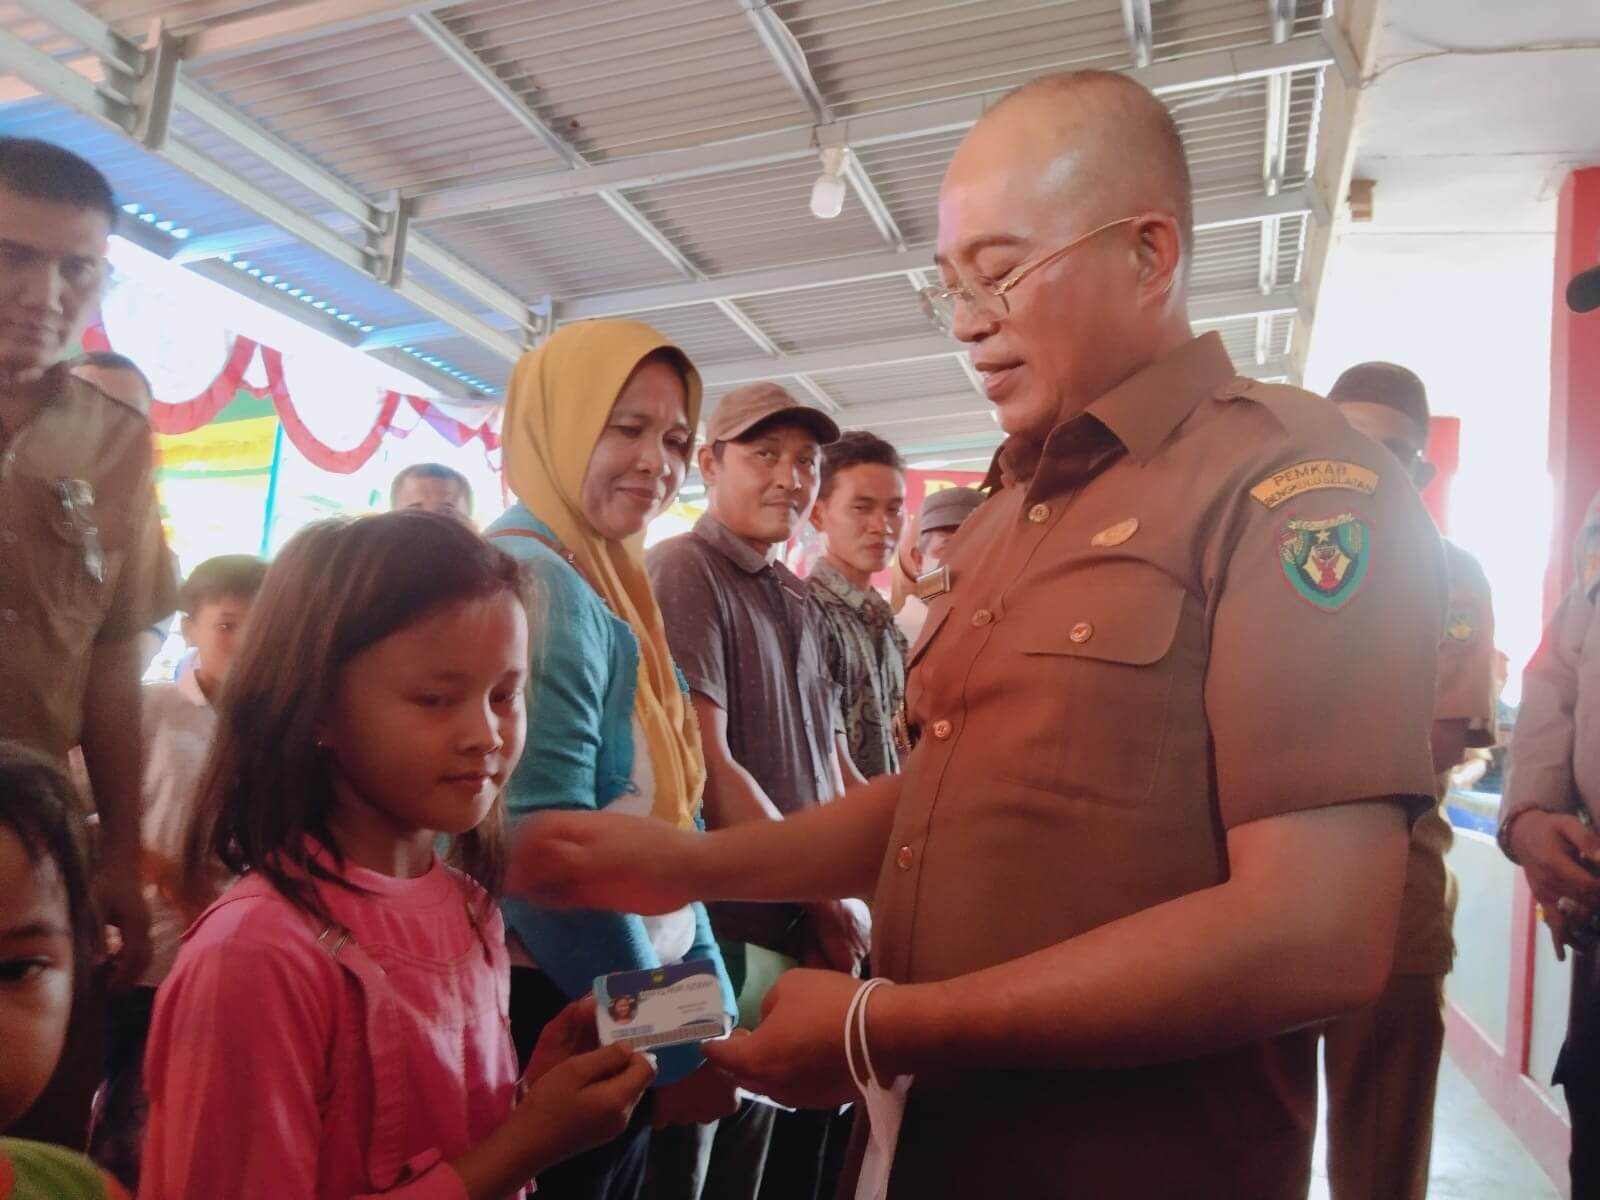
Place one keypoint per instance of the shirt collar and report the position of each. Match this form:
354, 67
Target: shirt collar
189, 686
732, 547
1139, 415
825, 575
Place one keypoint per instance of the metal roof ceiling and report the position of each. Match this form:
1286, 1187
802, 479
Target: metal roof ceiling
531, 159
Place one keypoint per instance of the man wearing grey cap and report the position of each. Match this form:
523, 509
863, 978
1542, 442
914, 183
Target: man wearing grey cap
750, 643
1383, 1060
1552, 808
942, 514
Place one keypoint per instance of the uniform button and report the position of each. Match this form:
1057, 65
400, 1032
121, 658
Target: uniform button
9, 537
904, 858
942, 729
1039, 514
1081, 632
8, 615
982, 617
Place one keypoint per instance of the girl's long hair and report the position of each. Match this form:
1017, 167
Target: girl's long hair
337, 588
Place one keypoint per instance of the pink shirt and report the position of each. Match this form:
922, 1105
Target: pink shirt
284, 1064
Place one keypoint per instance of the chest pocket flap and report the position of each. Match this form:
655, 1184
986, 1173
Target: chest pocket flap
1124, 613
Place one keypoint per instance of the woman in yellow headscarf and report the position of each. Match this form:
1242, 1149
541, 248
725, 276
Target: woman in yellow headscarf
599, 433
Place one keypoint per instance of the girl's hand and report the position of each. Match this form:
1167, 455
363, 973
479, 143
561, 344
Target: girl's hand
583, 1102
570, 1032
577, 1103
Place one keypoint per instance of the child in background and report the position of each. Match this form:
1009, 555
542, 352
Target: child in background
336, 1025
49, 934
179, 719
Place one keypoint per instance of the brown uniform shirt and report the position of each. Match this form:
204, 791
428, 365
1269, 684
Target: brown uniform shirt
1465, 692
82, 558
1555, 748
1199, 605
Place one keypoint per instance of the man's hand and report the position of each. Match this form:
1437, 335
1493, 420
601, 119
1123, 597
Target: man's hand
1557, 852
797, 1055
122, 904
839, 935
705, 1096
602, 860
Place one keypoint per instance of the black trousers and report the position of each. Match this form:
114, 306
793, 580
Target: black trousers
614, 1171
1578, 1073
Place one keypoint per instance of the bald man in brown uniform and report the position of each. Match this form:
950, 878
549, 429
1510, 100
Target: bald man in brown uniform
1173, 706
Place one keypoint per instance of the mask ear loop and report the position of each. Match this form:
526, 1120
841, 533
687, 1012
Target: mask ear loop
858, 1011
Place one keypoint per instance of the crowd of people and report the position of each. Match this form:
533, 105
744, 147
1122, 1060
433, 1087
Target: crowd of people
1036, 840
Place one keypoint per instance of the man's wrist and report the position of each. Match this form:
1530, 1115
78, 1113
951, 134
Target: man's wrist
902, 1023
1507, 831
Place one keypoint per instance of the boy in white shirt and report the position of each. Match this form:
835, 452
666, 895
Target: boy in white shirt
179, 719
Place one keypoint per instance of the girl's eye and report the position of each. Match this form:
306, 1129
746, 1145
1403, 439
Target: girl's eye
505, 697
432, 701
21, 970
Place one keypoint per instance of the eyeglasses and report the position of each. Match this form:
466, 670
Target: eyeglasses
988, 299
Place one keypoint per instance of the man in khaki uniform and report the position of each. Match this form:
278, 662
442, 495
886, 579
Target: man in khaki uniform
1173, 708
1383, 1062
83, 567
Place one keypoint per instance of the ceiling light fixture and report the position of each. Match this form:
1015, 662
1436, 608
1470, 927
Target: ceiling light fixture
828, 192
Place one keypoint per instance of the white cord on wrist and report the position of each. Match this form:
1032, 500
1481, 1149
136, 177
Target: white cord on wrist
857, 1013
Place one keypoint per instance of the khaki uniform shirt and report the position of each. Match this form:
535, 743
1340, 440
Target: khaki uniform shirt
1465, 692
1198, 604
82, 558
1555, 747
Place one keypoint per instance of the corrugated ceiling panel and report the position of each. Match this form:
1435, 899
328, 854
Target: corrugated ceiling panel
630, 76
1240, 339
1291, 247
1195, 26
1226, 260
874, 54
703, 331
241, 162
382, 107
1224, 131
1303, 96
564, 248
136, 175
870, 310
754, 218
133, 17
923, 379
466, 355
345, 290
907, 175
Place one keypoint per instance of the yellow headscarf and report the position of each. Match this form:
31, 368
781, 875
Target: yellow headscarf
560, 400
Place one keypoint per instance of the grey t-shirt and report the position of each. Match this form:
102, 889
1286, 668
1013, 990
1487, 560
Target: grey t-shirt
747, 637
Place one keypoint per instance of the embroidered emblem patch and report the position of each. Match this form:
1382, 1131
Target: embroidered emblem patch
1117, 534
1325, 561
1314, 476
1458, 628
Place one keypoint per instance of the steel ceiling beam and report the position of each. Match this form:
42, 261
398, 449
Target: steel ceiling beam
1211, 69
1214, 214
1141, 31
910, 349
290, 24
122, 112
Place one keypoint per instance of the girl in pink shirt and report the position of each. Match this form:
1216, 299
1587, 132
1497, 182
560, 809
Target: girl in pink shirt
336, 1024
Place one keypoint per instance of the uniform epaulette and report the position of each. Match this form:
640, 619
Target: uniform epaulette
1295, 409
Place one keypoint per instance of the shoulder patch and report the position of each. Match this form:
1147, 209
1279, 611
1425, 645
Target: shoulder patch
1326, 561
1314, 475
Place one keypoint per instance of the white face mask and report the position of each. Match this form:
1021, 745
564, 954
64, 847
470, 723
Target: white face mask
886, 1106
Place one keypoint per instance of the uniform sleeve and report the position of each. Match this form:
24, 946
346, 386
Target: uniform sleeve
147, 585
1542, 742
1466, 653
1325, 634
236, 1072
687, 596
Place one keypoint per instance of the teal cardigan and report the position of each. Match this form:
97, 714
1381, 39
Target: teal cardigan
579, 758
